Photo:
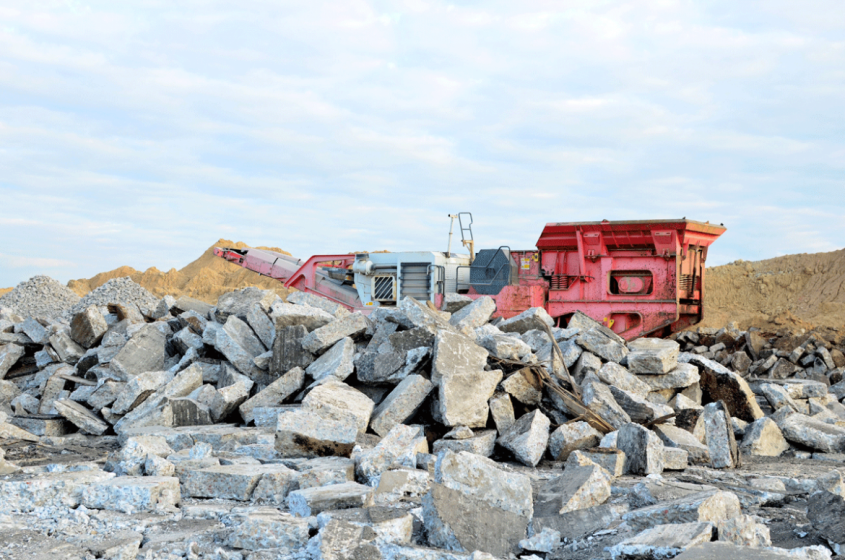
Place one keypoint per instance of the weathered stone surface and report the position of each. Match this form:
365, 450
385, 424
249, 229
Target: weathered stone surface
9, 356
456, 355
580, 487
401, 404
504, 347
719, 437
239, 303
744, 531
399, 447
149, 413
545, 541
673, 436
336, 399
452, 302
813, 433
826, 511
53, 390
274, 394
501, 409
520, 388
34, 426
615, 375
399, 484
720, 383
587, 364
643, 449
144, 352
777, 396
138, 389
336, 362
238, 343
336, 310
783, 368
288, 352
88, 327
597, 342
681, 377
226, 400
232, 482
131, 494
638, 409
534, 318
323, 338
709, 506
527, 438
268, 529
379, 367
303, 433
597, 396
570, 437
290, 315
611, 460
81, 417
311, 501
475, 314
34, 330
652, 356
463, 395
68, 351
323, 471
261, 324
663, 541
481, 443
764, 438
675, 459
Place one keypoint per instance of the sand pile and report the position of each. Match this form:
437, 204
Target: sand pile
40, 296
793, 291
206, 278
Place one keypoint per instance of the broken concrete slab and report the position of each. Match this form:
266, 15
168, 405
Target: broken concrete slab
311, 501
401, 404
672, 436
9, 356
274, 394
302, 433
268, 528
522, 389
652, 355
643, 449
336, 362
598, 343
571, 437
68, 351
720, 383
530, 319
88, 327
336, 399
138, 389
681, 377
261, 324
323, 338
501, 409
399, 447
81, 417
813, 433
617, 376
463, 396
527, 438
240, 345
709, 506
131, 494
764, 438
455, 354
288, 352
143, 352
663, 541
482, 442
719, 436
580, 487
598, 397
475, 314
744, 530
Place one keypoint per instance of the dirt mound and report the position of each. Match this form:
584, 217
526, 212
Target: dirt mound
796, 291
206, 278
4, 291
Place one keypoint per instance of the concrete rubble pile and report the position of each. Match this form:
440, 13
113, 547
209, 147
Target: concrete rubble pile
258, 428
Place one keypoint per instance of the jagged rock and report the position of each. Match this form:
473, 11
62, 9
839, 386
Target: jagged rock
520, 388
268, 528
777, 396
138, 389
708, 506
527, 438
587, 364
611, 460
571, 437
238, 343
597, 396
463, 395
744, 531
131, 494
504, 347
303, 433
501, 409
643, 449
379, 367
336, 362
783, 368
663, 541
311, 501
323, 338
813, 433
534, 318
481, 443
615, 375
401, 404
598, 343
420, 316
719, 436
673, 436
638, 409
652, 356
452, 303
336, 399
149, 413
764, 438
68, 351
227, 399
238, 303
720, 383
826, 511
81, 417
288, 352
455, 354
9, 356
475, 314
399, 447
34, 330
88, 327
143, 352
545, 541
682, 376
291, 315
274, 394
581, 487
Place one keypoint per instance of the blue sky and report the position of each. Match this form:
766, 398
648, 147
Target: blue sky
138, 133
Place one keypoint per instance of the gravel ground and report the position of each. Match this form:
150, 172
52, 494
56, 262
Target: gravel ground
40, 296
118, 290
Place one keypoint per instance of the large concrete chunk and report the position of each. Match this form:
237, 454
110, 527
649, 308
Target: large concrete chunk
673, 436
138, 389
580, 487
420, 316
826, 511
463, 396
68, 351
291, 315
402, 403
501, 409
336, 399
663, 541
719, 436
336, 363
274, 394
336, 310
684, 375
615, 375
504, 347
643, 449
720, 383
238, 343
150, 412
709, 506
519, 387
302, 433
399, 447
229, 482
269, 529
311, 501
288, 352
144, 352
81, 417
320, 340
597, 342
238, 303
475, 314
530, 319
482, 442
130, 494
527, 438
88, 327
482, 479
9, 356
653, 355
597, 396
261, 324
453, 354
570, 437
764, 438
813, 433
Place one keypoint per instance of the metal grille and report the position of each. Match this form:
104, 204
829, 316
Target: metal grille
416, 281
384, 288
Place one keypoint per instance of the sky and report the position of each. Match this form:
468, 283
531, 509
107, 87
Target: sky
140, 132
